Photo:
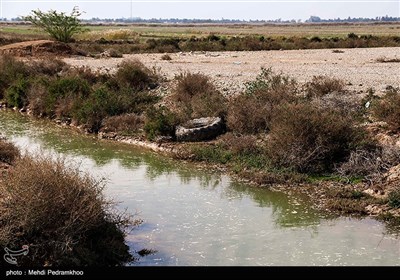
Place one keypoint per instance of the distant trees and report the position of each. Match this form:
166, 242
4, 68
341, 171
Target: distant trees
59, 26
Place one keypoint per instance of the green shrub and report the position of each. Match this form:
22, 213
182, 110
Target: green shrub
159, 122
16, 94
8, 152
388, 108
58, 25
311, 139
11, 70
394, 198
100, 104
63, 94
211, 153
61, 214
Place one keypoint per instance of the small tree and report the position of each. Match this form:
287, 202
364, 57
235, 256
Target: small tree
58, 25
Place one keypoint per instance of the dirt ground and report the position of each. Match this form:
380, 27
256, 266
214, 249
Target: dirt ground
359, 68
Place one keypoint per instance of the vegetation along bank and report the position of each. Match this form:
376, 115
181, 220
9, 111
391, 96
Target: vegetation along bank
313, 137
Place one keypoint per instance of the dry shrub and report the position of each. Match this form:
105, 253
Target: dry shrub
197, 97
125, 124
47, 66
86, 73
115, 53
348, 104
240, 144
64, 107
133, 74
166, 57
370, 163
61, 214
310, 139
388, 109
37, 95
252, 111
8, 152
387, 60
322, 85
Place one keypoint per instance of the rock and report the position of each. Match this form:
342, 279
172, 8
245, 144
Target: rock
200, 129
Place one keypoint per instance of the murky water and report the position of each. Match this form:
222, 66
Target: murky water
200, 217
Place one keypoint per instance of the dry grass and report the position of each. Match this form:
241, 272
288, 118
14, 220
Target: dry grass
387, 60
387, 109
125, 124
61, 214
110, 34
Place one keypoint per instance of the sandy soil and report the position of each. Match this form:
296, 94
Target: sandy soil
357, 67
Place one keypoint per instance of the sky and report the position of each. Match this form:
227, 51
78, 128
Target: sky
208, 9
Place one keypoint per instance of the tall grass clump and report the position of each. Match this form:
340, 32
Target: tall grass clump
61, 214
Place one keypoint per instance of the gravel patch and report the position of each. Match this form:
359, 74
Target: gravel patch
230, 70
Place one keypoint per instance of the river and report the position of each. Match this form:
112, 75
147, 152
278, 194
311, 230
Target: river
196, 216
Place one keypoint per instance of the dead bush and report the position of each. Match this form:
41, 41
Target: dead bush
370, 163
387, 109
8, 152
346, 103
323, 85
125, 124
61, 214
311, 139
197, 97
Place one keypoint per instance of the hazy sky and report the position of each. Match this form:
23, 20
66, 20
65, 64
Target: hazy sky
267, 9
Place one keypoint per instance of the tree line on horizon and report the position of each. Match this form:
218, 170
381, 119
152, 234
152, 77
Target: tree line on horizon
311, 19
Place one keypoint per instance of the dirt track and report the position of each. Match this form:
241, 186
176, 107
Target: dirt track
357, 67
